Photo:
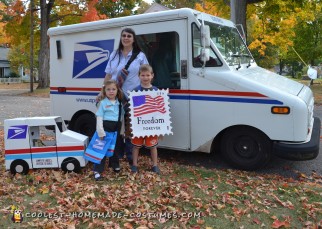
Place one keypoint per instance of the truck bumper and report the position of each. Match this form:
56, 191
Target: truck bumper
300, 152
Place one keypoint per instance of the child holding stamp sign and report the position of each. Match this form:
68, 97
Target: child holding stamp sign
145, 76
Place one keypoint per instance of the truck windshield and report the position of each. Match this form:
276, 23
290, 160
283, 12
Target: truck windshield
230, 44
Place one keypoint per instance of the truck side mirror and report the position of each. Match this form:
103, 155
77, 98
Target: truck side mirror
312, 73
204, 54
205, 36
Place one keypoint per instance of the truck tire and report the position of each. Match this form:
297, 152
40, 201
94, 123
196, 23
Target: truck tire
70, 165
19, 166
85, 124
246, 148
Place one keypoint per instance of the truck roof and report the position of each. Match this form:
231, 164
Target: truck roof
33, 120
130, 20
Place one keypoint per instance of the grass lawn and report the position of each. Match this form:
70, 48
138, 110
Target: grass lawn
181, 197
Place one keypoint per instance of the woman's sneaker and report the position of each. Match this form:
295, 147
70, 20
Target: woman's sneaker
156, 169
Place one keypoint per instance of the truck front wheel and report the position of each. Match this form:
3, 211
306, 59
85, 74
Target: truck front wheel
246, 148
19, 166
70, 165
85, 124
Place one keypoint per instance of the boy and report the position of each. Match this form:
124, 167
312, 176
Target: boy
145, 76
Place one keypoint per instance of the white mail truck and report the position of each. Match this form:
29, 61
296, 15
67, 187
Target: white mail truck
42, 142
220, 99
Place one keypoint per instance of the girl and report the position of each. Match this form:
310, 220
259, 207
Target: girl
109, 116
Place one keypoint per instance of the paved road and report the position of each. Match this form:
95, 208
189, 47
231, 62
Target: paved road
12, 105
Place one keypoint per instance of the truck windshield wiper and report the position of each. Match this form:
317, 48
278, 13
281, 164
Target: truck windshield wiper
242, 55
235, 55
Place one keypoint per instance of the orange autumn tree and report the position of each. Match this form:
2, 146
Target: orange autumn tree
13, 19
16, 19
92, 14
4, 39
216, 8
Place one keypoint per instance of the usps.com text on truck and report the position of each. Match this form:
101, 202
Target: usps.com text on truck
220, 100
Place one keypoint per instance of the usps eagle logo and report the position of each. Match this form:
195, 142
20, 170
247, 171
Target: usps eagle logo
90, 58
17, 132
99, 144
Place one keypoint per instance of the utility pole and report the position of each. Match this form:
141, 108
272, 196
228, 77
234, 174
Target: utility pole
31, 63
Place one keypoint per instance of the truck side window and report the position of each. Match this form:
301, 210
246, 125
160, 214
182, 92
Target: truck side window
42, 136
214, 61
162, 51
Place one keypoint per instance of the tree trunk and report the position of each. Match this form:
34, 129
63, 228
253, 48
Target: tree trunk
31, 46
238, 13
44, 43
281, 67
238, 10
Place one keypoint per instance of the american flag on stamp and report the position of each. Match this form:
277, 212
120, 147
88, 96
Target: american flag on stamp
145, 104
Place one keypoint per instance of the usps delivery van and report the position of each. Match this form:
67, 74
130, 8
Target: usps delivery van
42, 142
220, 99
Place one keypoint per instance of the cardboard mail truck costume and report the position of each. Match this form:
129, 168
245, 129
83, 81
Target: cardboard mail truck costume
42, 142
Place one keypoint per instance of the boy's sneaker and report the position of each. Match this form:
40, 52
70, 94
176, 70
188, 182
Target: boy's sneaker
97, 176
134, 169
156, 169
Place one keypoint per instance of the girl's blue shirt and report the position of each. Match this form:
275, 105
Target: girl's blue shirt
108, 110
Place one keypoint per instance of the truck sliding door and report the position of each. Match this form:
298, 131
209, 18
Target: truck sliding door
165, 45
43, 146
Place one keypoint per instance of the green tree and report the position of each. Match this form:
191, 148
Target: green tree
308, 30
176, 4
277, 26
17, 28
117, 8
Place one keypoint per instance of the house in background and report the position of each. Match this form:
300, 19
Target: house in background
155, 7
4, 63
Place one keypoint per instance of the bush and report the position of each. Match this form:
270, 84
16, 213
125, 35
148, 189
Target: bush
13, 75
299, 75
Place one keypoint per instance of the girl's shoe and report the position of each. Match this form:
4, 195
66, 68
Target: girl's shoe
97, 176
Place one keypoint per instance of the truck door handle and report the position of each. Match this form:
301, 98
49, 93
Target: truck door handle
184, 69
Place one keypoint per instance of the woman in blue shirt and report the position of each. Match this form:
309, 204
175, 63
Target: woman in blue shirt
119, 58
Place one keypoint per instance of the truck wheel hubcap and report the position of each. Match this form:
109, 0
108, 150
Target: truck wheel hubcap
19, 168
70, 166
